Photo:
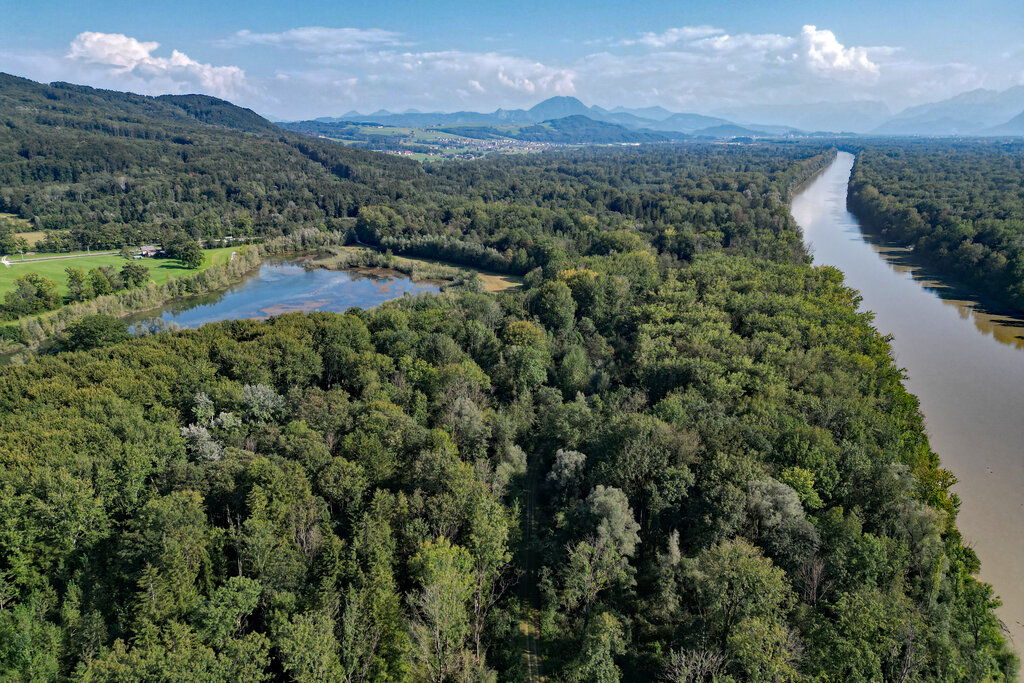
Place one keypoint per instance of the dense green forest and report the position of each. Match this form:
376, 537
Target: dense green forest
959, 204
515, 213
100, 169
680, 451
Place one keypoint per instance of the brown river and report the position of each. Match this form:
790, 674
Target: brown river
965, 365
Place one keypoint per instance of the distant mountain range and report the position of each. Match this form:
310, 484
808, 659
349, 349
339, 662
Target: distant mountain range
979, 112
564, 118
970, 113
854, 117
1014, 126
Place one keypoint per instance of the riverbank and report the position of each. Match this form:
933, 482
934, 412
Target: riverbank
372, 262
965, 365
931, 274
955, 206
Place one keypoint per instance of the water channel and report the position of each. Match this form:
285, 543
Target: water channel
964, 364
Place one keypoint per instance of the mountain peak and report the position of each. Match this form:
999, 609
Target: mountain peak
560, 100
558, 107
964, 114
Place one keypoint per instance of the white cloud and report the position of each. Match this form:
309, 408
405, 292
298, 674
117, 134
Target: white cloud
325, 71
827, 55
110, 48
430, 80
674, 35
816, 49
757, 43
317, 39
387, 76
133, 60
701, 68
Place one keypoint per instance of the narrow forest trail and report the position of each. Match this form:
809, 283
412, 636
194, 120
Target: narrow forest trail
528, 592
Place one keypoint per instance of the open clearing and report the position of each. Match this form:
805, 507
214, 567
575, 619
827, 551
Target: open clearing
32, 237
160, 270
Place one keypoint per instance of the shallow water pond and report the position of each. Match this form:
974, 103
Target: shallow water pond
285, 287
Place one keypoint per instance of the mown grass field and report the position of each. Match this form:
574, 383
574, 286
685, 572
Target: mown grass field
32, 237
160, 270
23, 227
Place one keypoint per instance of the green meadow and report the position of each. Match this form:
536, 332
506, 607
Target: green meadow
160, 270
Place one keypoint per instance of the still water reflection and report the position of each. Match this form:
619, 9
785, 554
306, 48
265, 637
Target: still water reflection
966, 366
285, 287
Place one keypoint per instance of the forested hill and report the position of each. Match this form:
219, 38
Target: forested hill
218, 112
575, 129
679, 452
70, 102
101, 169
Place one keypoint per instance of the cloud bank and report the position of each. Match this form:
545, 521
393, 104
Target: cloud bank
674, 35
686, 66
318, 70
316, 39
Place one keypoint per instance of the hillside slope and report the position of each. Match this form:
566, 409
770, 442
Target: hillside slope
101, 169
965, 114
1013, 127
219, 112
578, 129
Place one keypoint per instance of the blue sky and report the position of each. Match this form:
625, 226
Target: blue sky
313, 58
